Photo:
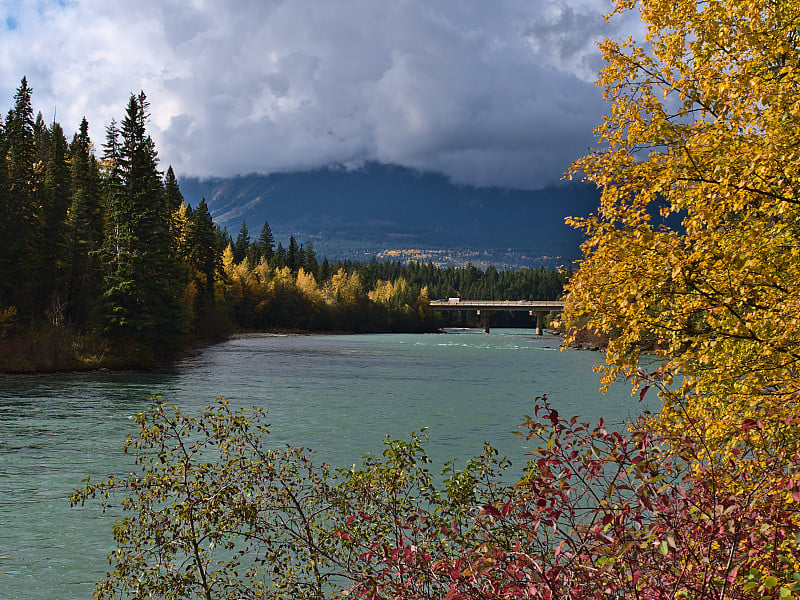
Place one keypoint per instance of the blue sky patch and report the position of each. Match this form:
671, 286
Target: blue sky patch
11, 23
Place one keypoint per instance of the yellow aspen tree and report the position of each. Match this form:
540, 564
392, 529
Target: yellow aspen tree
353, 291
335, 285
189, 301
344, 288
262, 270
390, 293
383, 292
424, 310
400, 292
703, 127
282, 280
180, 225
308, 287
231, 287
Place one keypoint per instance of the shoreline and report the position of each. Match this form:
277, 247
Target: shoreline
194, 350
120, 365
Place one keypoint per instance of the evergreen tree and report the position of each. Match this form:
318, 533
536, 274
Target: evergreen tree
20, 214
202, 254
85, 226
242, 244
223, 239
324, 270
111, 150
55, 197
301, 257
112, 184
6, 255
41, 139
172, 191
174, 199
310, 263
280, 258
143, 276
293, 255
266, 241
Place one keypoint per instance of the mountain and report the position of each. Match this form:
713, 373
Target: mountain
395, 212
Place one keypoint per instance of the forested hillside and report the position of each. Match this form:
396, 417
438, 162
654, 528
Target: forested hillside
105, 264
396, 212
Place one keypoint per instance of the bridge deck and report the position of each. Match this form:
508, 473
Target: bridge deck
500, 305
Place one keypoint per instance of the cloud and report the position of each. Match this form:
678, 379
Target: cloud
488, 93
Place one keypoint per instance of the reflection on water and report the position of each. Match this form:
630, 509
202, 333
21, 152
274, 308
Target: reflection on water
337, 394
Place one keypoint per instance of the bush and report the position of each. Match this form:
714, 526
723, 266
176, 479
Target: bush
214, 511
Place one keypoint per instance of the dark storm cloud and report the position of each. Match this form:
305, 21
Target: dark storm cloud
489, 93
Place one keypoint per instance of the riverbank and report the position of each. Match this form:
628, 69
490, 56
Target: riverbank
54, 350
63, 351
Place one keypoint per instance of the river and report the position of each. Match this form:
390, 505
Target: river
338, 394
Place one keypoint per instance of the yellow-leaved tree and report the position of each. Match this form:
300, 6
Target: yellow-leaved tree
345, 289
307, 286
703, 126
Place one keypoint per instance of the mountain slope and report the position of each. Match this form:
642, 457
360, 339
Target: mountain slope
397, 212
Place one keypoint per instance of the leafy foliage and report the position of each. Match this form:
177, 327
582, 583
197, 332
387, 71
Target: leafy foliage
213, 510
702, 127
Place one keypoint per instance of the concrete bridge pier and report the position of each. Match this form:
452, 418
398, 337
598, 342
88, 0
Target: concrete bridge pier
539, 314
485, 319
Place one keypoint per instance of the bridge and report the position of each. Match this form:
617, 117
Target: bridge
485, 308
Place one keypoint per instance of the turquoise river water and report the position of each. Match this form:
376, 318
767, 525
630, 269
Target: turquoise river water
337, 394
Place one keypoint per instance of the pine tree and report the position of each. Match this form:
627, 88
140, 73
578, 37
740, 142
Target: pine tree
85, 227
6, 255
55, 195
172, 191
174, 199
223, 239
242, 244
267, 242
42, 139
143, 278
280, 258
111, 149
112, 185
324, 270
20, 215
301, 257
310, 263
293, 255
202, 254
